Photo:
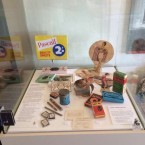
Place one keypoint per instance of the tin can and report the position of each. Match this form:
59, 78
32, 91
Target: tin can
83, 88
64, 96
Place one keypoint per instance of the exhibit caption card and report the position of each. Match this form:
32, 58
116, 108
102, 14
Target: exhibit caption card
82, 124
121, 115
73, 114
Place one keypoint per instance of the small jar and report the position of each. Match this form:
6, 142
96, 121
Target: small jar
64, 96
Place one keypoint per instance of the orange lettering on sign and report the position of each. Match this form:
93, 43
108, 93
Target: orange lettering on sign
44, 53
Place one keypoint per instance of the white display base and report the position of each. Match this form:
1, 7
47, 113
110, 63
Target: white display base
28, 120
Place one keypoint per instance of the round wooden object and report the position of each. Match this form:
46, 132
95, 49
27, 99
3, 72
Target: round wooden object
101, 51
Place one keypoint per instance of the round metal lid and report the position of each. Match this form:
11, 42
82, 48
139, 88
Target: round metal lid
63, 92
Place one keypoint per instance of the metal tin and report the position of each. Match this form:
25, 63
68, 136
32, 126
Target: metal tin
64, 97
82, 88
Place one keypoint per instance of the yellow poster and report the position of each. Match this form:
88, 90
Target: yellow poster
51, 47
11, 48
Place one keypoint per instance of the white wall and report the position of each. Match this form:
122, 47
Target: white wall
83, 21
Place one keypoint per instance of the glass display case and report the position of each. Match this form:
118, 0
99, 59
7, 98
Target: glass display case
16, 65
134, 66
58, 62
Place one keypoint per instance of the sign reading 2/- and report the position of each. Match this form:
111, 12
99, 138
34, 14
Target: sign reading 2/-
59, 50
50, 47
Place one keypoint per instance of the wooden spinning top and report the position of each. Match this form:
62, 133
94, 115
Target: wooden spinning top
101, 52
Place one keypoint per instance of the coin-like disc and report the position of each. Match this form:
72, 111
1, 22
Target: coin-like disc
101, 51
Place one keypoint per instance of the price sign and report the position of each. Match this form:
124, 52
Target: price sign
51, 47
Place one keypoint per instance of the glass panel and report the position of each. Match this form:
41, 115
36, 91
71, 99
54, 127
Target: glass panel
16, 65
84, 22
132, 60
132, 48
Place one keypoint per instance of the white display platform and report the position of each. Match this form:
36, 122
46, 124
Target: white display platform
28, 115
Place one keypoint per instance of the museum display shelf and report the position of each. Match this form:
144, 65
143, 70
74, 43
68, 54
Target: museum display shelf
28, 115
28, 126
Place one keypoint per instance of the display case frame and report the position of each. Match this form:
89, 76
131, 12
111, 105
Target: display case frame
135, 74
114, 12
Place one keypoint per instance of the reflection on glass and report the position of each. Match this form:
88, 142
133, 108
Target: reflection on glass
15, 71
136, 87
